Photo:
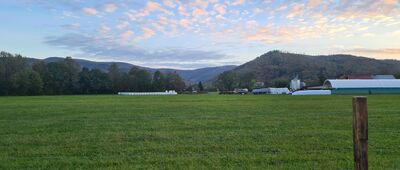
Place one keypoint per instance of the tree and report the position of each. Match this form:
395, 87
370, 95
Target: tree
175, 82
226, 81
71, 70
139, 80
397, 76
281, 82
200, 86
10, 65
158, 82
84, 81
99, 82
115, 77
26, 82
35, 83
55, 79
247, 80
40, 67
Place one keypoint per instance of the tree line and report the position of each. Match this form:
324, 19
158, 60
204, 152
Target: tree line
18, 77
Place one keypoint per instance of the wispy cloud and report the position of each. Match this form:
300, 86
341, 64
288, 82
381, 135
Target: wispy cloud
110, 7
378, 53
107, 49
90, 11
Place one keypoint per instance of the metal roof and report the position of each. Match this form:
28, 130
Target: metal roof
375, 83
383, 77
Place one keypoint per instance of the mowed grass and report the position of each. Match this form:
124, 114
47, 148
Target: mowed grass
193, 132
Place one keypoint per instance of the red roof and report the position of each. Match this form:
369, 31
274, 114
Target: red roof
362, 77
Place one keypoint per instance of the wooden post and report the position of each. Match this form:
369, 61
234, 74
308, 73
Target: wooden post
360, 133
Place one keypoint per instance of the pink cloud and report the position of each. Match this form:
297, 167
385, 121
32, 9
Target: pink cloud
199, 13
185, 23
147, 33
201, 3
182, 10
238, 2
297, 10
110, 7
127, 34
122, 25
104, 30
313, 3
220, 9
169, 3
90, 11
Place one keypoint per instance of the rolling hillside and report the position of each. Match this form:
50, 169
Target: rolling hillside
278, 66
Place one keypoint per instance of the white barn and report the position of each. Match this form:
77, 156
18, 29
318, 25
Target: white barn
374, 86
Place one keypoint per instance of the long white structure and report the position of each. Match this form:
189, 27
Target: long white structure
311, 92
271, 91
168, 92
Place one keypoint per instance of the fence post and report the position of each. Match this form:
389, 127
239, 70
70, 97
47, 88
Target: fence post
360, 132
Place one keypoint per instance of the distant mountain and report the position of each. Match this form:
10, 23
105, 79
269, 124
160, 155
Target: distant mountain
191, 76
276, 66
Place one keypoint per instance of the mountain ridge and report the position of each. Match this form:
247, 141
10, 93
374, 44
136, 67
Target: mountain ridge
191, 76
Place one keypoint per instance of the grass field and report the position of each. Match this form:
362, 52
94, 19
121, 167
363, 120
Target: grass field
193, 132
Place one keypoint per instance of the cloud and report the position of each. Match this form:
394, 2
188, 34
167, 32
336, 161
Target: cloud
122, 25
125, 35
104, 30
220, 9
110, 7
297, 10
71, 26
185, 23
182, 11
393, 53
107, 49
368, 34
150, 7
200, 3
90, 11
313, 3
237, 2
169, 3
147, 33
199, 13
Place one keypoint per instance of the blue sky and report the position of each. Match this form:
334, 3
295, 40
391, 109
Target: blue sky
191, 34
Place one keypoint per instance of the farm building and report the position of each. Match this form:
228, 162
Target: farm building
373, 86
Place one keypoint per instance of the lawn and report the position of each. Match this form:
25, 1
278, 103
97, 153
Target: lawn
193, 132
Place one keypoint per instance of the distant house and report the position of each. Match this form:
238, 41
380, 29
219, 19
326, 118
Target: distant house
259, 83
373, 86
369, 77
360, 77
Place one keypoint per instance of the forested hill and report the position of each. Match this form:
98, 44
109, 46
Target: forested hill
276, 68
191, 76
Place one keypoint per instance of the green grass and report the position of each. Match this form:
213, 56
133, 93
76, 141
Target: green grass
193, 132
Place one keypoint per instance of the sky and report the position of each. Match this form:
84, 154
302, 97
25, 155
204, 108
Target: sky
189, 34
